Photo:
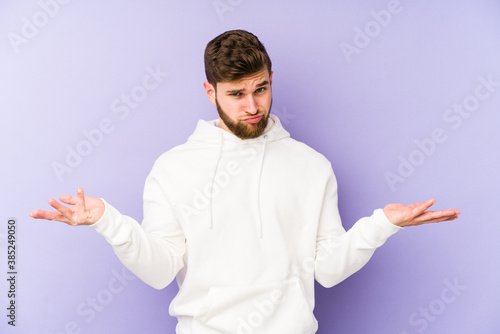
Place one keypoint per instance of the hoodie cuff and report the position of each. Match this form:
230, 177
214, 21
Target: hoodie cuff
380, 228
104, 214
108, 224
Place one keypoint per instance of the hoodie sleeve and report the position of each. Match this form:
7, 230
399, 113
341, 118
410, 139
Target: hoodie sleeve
153, 250
340, 254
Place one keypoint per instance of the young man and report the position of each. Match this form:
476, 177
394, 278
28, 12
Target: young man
244, 216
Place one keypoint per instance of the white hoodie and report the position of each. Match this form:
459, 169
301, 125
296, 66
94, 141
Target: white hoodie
245, 226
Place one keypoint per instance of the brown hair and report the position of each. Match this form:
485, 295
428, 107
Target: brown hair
233, 55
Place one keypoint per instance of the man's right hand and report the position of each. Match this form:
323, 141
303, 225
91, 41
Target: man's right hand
84, 210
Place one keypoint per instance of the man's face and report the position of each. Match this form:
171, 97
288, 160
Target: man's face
243, 105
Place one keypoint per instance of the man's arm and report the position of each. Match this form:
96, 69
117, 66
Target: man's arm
339, 254
152, 250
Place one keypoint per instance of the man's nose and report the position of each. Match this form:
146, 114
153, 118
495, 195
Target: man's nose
251, 105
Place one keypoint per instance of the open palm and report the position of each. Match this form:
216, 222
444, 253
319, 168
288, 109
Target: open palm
83, 210
417, 214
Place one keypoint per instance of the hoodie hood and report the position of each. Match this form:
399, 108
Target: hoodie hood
209, 132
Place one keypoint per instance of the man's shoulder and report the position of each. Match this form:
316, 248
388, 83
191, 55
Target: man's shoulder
176, 153
299, 153
304, 149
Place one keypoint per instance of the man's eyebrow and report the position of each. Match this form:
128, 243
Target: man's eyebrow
236, 91
263, 83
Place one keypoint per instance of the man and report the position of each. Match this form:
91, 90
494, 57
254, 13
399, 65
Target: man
242, 215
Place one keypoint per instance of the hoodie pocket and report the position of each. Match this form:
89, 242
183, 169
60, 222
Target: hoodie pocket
279, 307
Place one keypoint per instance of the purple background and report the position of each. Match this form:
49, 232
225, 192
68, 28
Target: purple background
362, 111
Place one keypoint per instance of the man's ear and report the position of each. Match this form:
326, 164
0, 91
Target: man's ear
210, 91
271, 79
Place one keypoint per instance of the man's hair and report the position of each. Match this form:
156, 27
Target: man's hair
234, 55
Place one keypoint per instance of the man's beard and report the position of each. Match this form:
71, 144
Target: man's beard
244, 130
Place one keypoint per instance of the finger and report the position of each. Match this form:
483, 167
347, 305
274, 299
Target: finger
80, 197
428, 204
420, 207
68, 199
438, 220
434, 216
438, 214
72, 200
415, 205
59, 207
450, 212
48, 215
81, 210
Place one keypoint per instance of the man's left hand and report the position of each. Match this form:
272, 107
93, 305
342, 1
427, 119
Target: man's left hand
417, 214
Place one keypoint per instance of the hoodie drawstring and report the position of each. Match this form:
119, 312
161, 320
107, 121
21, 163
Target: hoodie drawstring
211, 223
217, 160
259, 226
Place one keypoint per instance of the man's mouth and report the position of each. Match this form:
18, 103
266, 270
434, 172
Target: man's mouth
253, 119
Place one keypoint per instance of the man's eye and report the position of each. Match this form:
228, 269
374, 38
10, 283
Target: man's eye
259, 90
235, 94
